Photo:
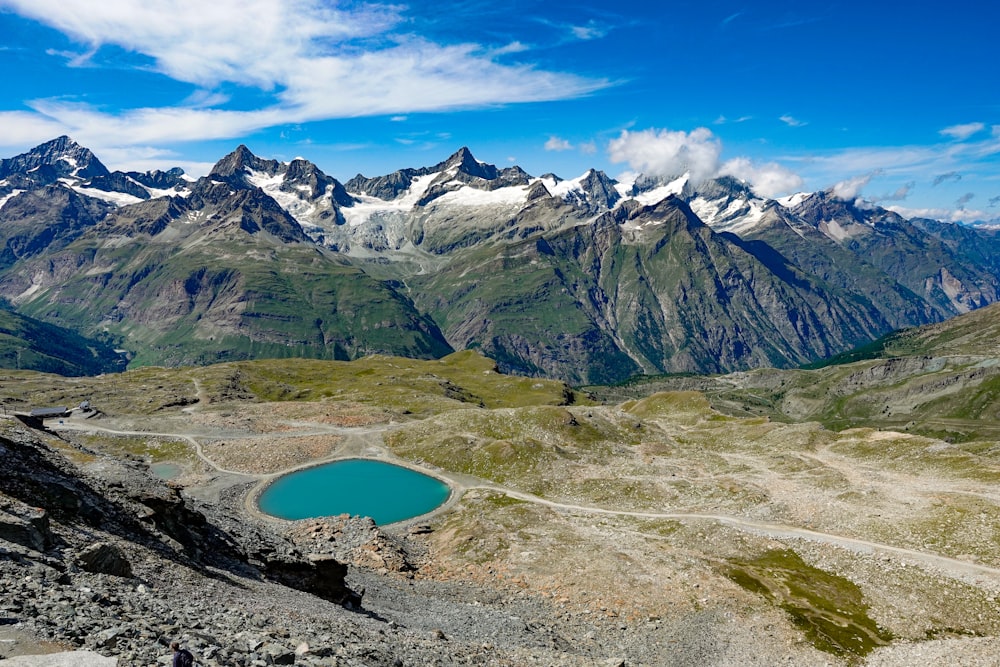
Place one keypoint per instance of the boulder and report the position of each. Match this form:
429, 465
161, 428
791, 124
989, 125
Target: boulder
104, 558
323, 576
27, 526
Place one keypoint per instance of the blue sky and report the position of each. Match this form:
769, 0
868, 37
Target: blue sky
894, 102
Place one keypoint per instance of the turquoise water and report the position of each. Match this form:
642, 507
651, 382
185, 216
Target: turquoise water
165, 470
385, 492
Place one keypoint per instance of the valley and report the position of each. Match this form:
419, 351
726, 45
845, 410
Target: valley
642, 471
678, 529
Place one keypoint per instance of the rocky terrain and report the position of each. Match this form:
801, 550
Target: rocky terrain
655, 531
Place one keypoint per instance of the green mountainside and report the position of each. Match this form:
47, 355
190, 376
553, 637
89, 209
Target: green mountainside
588, 281
941, 380
642, 291
28, 344
234, 278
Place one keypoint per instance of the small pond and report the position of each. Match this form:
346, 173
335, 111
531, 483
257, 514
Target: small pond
165, 470
387, 493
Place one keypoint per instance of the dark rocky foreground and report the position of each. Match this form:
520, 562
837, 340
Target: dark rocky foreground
98, 555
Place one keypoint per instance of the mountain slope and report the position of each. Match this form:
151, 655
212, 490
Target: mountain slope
219, 275
647, 290
585, 279
29, 344
940, 380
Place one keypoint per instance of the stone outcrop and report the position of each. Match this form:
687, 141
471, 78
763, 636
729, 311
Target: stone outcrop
25, 525
104, 558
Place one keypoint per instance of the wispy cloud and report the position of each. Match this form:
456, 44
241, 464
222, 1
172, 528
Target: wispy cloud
950, 176
963, 131
851, 188
965, 199
722, 120
513, 47
791, 121
557, 144
950, 215
732, 17
296, 52
901, 193
994, 201
944, 161
592, 30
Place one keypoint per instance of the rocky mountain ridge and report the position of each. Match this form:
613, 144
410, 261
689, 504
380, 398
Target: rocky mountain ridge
465, 254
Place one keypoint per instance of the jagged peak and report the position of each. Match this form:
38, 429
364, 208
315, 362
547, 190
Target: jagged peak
61, 143
63, 153
237, 161
462, 157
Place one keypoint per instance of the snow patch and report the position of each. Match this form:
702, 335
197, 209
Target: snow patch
5, 198
563, 189
297, 207
116, 198
656, 195
369, 206
791, 201
263, 180
193, 217
156, 193
514, 195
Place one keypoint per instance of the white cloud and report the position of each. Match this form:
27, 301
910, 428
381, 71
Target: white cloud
666, 153
949, 215
316, 60
588, 148
792, 121
557, 144
398, 119
901, 193
722, 120
23, 129
513, 47
590, 31
963, 131
148, 158
850, 189
768, 180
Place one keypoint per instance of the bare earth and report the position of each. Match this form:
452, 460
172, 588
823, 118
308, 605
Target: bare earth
641, 512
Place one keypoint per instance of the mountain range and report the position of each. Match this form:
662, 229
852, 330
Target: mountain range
589, 280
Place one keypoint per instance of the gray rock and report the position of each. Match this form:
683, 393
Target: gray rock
27, 526
104, 558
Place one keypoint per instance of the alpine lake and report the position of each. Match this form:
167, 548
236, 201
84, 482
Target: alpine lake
385, 492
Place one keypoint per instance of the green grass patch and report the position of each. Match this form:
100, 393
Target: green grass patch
830, 610
150, 449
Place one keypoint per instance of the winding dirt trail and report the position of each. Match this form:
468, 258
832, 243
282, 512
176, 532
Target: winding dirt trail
364, 443
953, 566
182, 436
